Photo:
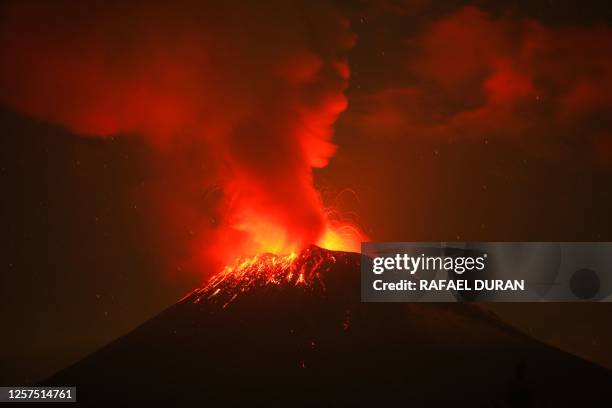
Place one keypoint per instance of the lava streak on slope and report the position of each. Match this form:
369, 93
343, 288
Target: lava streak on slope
303, 270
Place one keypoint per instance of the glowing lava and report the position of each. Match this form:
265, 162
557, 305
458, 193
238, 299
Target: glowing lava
303, 270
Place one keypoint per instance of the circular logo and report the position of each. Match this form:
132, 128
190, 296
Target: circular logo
585, 284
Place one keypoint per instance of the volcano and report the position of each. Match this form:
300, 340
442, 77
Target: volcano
292, 330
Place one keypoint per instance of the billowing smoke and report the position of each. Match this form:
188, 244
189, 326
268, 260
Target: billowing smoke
238, 99
473, 74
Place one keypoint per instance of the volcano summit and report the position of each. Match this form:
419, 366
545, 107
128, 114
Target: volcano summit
292, 330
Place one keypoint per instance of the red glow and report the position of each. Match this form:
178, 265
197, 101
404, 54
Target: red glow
247, 105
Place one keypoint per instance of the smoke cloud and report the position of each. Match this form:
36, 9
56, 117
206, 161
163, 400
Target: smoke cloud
237, 98
475, 74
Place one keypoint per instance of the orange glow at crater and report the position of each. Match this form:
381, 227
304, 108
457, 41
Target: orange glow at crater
258, 236
342, 237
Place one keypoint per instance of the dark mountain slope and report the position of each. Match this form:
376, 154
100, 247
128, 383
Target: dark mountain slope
296, 333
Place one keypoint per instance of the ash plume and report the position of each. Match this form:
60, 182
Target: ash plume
237, 95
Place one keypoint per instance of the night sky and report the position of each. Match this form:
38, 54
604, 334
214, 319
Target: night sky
483, 121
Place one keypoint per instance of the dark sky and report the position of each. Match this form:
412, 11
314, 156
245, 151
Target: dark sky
480, 121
